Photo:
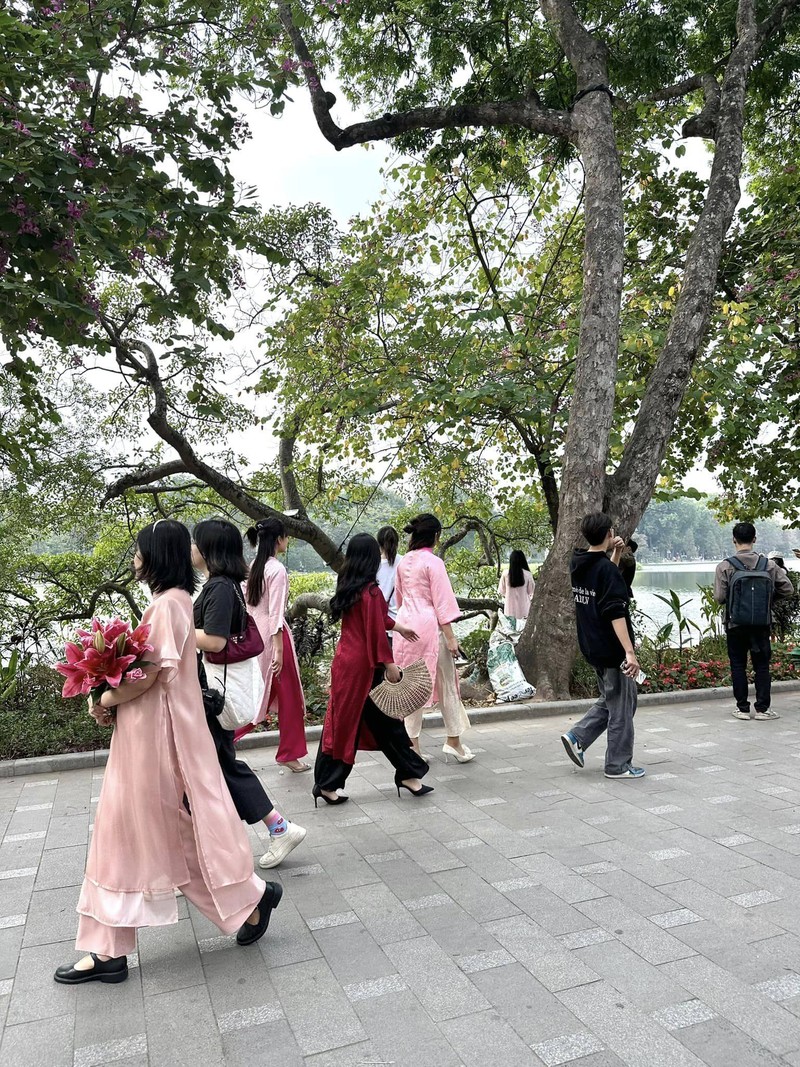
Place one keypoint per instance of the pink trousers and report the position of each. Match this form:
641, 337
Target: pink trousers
288, 690
233, 904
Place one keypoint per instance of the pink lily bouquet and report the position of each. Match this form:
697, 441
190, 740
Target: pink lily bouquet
101, 658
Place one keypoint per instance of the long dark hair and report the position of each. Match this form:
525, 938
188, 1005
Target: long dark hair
517, 564
221, 546
360, 569
264, 536
389, 539
166, 550
423, 531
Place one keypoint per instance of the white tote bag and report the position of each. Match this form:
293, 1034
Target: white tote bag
243, 689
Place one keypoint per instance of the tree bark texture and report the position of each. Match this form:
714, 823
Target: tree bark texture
546, 649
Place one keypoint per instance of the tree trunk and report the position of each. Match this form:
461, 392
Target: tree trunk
547, 647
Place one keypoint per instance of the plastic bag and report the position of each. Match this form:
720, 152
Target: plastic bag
505, 673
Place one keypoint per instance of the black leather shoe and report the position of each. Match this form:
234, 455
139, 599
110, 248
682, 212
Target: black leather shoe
251, 932
113, 970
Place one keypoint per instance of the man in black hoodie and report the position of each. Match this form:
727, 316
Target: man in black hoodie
605, 636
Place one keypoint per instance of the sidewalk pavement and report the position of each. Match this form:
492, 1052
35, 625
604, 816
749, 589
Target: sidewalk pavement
528, 913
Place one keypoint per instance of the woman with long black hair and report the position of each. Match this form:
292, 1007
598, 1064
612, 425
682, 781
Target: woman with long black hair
363, 656
219, 611
165, 820
267, 595
516, 586
388, 540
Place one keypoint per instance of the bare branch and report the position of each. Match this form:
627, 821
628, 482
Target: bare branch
143, 477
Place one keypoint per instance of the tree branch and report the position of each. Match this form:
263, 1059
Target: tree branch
143, 477
523, 112
299, 526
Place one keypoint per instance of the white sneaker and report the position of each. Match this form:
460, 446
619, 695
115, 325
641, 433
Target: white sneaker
281, 845
766, 716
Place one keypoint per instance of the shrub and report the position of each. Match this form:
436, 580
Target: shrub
475, 647
37, 721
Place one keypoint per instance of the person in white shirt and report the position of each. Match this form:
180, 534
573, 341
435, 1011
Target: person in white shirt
516, 586
388, 538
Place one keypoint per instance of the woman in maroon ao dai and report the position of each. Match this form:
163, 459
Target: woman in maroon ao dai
362, 656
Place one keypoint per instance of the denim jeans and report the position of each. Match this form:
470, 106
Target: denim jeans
755, 640
612, 712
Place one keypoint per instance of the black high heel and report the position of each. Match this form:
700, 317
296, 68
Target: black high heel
317, 794
421, 792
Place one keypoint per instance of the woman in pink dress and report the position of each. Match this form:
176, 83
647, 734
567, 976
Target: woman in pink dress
267, 595
165, 819
517, 586
426, 603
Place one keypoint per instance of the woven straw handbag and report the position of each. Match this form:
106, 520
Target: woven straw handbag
412, 692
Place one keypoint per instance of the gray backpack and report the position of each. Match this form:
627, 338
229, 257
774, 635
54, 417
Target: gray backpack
749, 594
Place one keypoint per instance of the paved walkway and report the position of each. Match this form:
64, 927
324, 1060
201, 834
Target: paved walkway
528, 913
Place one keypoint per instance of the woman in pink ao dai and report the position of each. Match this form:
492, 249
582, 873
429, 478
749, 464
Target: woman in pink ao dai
165, 819
426, 604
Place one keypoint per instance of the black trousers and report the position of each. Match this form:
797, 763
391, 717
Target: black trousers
391, 737
755, 640
247, 792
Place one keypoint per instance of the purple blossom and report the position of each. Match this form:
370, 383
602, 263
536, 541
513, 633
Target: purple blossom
5, 258
91, 301
136, 255
65, 248
313, 82
128, 150
791, 275
19, 208
307, 64
289, 65
76, 86
29, 226
85, 161
20, 127
75, 211
87, 127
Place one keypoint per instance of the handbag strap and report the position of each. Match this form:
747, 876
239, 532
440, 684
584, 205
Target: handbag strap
237, 590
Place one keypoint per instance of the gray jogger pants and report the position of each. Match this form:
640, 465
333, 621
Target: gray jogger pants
613, 711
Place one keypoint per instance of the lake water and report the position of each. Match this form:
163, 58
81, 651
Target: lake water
684, 578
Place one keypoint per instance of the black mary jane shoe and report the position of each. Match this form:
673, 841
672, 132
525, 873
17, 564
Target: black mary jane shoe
251, 932
421, 792
113, 970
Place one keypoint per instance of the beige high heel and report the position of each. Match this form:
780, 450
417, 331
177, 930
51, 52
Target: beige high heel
450, 751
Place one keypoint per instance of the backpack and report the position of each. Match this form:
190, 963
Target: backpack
749, 594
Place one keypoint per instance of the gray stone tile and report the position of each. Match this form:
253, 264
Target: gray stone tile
630, 1033
382, 913
567, 1048
679, 917
47, 1041
52, 917
486, 1038
687, 1013
62, 867
237, 980
442, 989
35, 995
475, 895
315, 1006
123, 1048
267, 1042
67, 830
767, 1023
719, 1043
655, 945
548, 961
353, 954
783, 987
397, 1025
108, 1013
10, 943
641, 985
288, 940
170, 958
323, 922
375, 987
182, 1030
484, 961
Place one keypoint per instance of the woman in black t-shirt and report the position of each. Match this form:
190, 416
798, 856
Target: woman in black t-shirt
219, 611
